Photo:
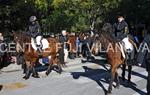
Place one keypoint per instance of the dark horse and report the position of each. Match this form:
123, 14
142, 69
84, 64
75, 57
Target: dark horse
31, 57
114, 52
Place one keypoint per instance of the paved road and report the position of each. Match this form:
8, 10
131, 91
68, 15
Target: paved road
77, 79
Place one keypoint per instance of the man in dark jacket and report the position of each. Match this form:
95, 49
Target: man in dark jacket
35, 32
121, 29
63, 52
144, 57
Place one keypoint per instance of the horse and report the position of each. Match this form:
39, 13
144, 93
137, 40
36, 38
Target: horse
72, 45
25, 45
114, 51
130, 48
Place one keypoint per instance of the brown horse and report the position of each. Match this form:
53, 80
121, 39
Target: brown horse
31, 57
114, 54
72, 43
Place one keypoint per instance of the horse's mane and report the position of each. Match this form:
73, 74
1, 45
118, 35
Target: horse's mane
22, 36
107, 31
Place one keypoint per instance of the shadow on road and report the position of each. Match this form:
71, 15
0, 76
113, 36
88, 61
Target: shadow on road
101, 62
138, 74
91, 74
103, 77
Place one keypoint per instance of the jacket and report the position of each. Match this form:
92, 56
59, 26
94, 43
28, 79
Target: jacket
144, 54
63, 40
34, 30
121, 30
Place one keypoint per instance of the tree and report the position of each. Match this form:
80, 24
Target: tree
73, 15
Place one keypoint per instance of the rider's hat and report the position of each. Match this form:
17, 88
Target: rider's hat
32, 18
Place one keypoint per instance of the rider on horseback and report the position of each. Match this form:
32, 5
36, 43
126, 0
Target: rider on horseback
35, 32
121, 29
121, 35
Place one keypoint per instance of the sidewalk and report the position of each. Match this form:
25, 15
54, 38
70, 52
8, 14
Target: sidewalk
11, 68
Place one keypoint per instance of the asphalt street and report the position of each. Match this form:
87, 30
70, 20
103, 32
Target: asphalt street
88, 78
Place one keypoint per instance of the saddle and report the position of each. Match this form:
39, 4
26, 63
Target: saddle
39, 43
127, 47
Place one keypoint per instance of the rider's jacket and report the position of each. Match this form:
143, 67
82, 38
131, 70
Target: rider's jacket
34, 30
121, 30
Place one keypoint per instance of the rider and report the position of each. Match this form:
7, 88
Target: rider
121, 29
35, 32
121, 32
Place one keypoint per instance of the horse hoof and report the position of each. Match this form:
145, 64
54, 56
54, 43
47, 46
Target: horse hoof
129, 81
59, 72
117, 86
123, 79
25, 77
108, 93
64, 66
47, 73
35, 76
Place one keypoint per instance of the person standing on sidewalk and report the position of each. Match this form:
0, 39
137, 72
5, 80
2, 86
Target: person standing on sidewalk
144, 57
64, 50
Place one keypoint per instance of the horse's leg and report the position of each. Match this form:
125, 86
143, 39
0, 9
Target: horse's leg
51, 60
123, 71
113, 72
56, 65
49, 69
24, 67
35, 73
59, 66
60, 69
129, 72
28, 72
117, 81
131, 61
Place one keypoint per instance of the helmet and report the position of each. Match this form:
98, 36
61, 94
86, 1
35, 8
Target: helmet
32, 18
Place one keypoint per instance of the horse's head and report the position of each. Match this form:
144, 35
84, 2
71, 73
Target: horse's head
104, 37
20, 38
107, 28
16, 37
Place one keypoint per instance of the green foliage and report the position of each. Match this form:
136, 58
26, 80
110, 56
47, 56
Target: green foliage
73, 15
